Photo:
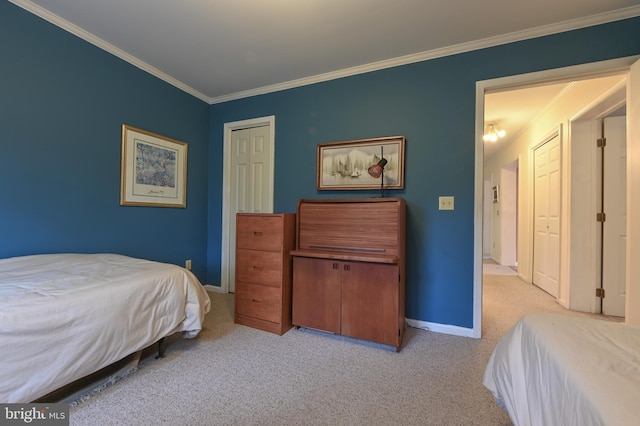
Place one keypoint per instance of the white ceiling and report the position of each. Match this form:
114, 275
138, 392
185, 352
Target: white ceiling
513, 110
225, 49
220, 50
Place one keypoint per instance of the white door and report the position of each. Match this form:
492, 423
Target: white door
614, 232
632, 309
546, 206
250, 182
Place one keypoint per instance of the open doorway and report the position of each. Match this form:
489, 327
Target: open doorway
573, 79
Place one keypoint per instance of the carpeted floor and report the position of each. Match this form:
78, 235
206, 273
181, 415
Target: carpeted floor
490, 269
235, 375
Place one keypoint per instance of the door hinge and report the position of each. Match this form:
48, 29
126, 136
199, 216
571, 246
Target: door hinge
601, 142
600, 293
601, 217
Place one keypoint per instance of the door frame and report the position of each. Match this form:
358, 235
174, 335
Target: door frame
226, 252
589, 70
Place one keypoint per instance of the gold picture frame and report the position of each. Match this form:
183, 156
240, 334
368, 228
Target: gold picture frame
345, 165
153, 170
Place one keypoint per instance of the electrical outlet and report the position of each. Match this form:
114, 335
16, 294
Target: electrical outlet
187, 264
445, 203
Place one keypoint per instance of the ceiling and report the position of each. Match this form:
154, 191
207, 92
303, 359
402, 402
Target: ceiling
220, 50
513, 110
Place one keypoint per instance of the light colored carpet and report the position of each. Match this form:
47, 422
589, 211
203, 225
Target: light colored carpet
491, 269
235, 375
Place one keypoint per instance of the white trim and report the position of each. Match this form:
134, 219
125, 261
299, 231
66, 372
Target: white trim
593, 69
226, 185
214, 288
441, 328
573, 24
545, 30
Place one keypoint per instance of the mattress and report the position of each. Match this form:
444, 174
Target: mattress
65, 316
554, 369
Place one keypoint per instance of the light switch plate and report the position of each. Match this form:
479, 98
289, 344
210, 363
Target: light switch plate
445, 203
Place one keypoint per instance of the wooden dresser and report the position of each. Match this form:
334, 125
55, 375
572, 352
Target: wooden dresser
263, 270
349, 268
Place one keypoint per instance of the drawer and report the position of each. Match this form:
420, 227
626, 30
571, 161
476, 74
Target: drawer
259, 232
258, 301
259, 267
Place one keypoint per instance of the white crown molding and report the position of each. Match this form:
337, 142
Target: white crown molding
97, 41
603, 18
574, 24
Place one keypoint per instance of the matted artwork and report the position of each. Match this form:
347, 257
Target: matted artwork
346, 165
154, 170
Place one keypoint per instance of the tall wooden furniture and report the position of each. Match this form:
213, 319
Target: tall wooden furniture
349, 268
263, 270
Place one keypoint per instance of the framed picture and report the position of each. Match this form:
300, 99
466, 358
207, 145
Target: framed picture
154, 170
361, 164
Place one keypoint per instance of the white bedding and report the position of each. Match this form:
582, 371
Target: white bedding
553, 369
65, 316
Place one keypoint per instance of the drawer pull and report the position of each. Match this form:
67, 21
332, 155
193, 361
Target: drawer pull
256, 300
257, 268
257, 233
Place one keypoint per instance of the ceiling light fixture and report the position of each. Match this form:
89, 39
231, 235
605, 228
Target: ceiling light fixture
492, 132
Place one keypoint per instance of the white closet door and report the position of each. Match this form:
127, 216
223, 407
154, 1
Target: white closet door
614, 235
546, 244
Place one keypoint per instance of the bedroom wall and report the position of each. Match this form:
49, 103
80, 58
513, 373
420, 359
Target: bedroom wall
432, 103
62, 104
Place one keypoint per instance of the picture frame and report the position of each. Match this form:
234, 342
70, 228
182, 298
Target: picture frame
345, 165
153, 169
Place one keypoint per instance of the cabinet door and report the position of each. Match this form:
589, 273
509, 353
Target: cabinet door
316, 294
370, 302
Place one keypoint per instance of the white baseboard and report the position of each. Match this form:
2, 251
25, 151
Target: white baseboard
441, 328
214, 288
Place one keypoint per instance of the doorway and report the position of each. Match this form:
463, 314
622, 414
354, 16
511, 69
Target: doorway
599, 136
607, 68
248, 180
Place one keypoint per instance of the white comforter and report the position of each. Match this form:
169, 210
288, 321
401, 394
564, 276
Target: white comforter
553, 369
64, 316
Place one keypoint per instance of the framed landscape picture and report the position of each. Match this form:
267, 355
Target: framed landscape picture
346, 165
153, 171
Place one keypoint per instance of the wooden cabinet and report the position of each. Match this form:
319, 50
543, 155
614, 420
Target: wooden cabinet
263, 270
348, 268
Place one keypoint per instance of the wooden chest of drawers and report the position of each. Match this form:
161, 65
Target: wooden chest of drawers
263, 270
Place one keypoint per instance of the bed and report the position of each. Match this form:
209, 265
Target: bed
554, 369
66, 316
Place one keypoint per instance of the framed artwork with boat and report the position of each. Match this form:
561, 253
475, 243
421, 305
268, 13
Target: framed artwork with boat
361, 164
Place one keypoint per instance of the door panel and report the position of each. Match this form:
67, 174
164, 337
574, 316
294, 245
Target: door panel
614, 237
546, 244
632, 303
316, 294
250, 173
370, 302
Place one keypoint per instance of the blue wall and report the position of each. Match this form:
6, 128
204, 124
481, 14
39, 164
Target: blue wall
63, 101
62, 104
432, 103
